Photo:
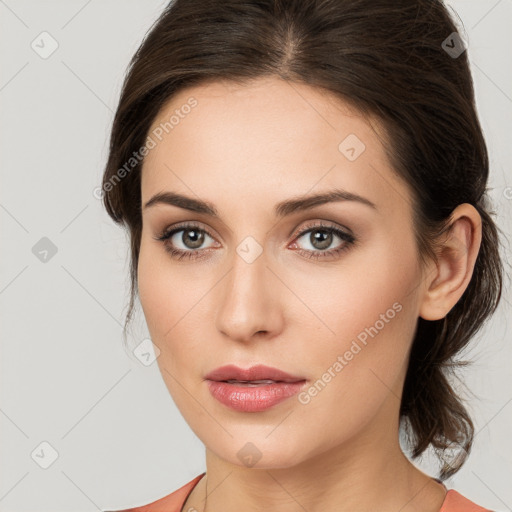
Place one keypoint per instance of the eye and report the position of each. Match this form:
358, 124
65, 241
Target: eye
192, 237
321, 237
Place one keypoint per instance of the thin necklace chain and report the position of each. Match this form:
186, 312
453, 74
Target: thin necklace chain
206, 492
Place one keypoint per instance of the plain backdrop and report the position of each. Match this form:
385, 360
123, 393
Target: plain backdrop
86, 426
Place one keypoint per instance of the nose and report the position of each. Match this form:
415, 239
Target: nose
249, 300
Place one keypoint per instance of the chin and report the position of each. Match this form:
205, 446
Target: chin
258, 450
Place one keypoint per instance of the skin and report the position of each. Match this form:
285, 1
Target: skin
245, 148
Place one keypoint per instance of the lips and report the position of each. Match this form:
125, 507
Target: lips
254, 389
256, 375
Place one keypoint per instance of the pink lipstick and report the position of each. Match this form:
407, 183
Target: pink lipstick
254, 389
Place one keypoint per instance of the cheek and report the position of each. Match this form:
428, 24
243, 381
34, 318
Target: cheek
373, 310
162, 291
382, 308
173, 299
373, 287
168, 306
152, 285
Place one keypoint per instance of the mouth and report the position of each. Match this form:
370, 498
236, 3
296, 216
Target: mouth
255, 389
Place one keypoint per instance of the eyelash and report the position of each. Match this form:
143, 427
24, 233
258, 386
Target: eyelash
180, 254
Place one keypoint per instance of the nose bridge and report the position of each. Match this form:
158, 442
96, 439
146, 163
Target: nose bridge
248, 304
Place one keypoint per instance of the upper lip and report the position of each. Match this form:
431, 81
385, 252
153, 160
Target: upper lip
258, 372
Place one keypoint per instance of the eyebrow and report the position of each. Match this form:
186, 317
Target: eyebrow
281, 209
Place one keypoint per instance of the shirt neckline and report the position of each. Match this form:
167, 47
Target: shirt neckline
204, 473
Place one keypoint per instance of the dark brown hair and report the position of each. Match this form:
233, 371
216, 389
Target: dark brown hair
389, 59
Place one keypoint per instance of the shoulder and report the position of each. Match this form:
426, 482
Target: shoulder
170, 503
456, 502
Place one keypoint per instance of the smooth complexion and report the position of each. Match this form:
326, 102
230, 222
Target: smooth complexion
299, 304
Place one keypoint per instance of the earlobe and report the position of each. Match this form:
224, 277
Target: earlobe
456, 256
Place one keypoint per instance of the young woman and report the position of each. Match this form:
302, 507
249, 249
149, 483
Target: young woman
304, 185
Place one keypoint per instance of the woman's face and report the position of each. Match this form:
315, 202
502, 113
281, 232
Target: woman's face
256, 286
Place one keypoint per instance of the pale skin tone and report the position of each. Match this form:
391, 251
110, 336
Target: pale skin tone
245, 148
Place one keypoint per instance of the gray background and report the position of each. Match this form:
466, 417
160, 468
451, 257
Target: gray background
66, 378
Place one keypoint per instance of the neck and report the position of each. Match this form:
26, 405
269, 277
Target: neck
367, 473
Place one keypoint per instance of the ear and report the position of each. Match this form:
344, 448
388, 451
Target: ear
451, 272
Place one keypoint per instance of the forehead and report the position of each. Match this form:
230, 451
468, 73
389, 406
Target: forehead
269, 138
267, 110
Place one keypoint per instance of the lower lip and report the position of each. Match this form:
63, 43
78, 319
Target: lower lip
253, 398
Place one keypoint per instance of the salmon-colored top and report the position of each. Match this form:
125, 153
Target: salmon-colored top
453, 501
